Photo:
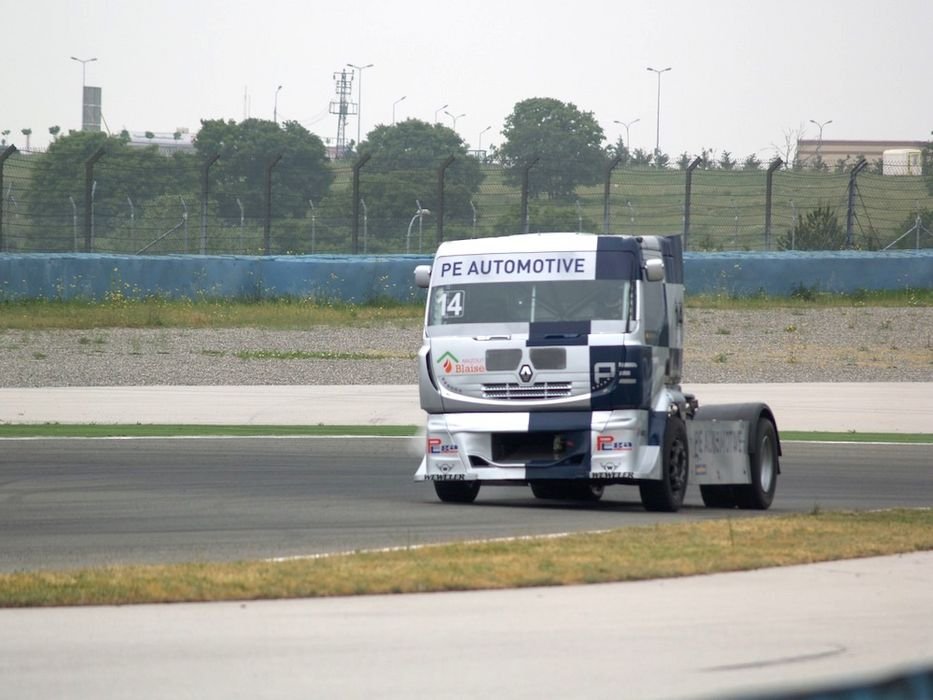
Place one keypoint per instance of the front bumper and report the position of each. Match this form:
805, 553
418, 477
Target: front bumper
608, 446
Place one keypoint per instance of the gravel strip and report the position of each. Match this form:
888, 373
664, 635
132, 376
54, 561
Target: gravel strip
870, 344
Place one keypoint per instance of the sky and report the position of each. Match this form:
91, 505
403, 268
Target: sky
745, 75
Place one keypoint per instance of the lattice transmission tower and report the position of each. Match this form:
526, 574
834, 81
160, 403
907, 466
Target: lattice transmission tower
343, 107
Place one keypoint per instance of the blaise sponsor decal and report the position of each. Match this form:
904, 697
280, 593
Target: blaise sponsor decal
469, 365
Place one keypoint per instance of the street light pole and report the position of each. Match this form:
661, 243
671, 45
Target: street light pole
454, 118
275, 107
628, 144
819, 142
83, 62
438, 110
359, 98
479, 144
657, 137
393, 106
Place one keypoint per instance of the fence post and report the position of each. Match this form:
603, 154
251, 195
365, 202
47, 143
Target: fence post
8, 151
204, 185
355, 241
267, 236
850, 211
89, 196
440, 198
687, 190
612, 165
528, 167
769, 182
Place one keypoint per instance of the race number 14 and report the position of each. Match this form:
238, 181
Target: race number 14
452, 302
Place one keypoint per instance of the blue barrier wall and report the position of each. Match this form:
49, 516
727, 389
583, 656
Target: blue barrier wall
360, 279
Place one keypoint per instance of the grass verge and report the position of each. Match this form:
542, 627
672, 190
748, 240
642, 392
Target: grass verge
629, 554
118, 311
851, 436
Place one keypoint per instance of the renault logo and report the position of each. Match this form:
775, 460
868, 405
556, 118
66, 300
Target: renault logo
525, 373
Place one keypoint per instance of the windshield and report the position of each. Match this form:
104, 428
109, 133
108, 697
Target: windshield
529, 302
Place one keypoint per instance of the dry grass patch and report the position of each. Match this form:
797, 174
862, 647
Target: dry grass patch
637, 553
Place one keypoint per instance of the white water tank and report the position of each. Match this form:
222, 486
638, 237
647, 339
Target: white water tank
902, 161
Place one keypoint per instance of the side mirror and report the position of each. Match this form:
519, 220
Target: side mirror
654, 270
423, 276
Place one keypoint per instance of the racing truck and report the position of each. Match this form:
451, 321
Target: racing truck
554, 360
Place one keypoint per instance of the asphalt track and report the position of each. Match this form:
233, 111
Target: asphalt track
77, 502
72, 503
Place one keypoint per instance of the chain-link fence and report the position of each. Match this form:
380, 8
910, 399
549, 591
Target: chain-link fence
162, 205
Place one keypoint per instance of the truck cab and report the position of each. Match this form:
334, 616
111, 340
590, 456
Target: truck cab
555, 360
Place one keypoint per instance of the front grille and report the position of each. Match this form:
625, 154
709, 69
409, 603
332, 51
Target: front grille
538, 390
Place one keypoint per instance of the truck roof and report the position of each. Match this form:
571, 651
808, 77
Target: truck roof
540, 243
521, 243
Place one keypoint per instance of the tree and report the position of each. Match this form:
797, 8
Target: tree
818, 230
726, 161
787, 150
916, 231
403, 170
641, 157
684, 160
543, 219
751, 162
4, 134
661, 159
55, 131
247, 149
818, 164
621, 151
140, 174
567, 142
707, 159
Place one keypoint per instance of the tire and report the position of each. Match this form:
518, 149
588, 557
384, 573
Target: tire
457, 491
718, 496
548, 490
667, 494
765, 465
586, 491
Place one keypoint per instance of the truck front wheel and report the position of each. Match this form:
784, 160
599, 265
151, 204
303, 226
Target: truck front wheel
667, 494
764, 467
457, 491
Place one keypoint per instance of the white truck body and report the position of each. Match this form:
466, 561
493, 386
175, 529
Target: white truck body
555, 360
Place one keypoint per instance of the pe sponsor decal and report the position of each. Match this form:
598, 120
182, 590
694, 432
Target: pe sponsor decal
516, 267
608, 443
451, 364
436, 446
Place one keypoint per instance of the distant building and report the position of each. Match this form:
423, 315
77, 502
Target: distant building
833, 151
181, 140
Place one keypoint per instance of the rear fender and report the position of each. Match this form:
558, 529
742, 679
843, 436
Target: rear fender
748, 412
